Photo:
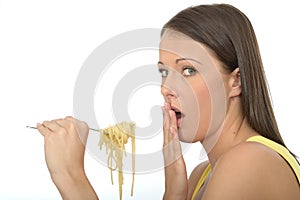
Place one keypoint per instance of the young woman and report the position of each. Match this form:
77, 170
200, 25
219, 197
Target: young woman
215, 91
247, 156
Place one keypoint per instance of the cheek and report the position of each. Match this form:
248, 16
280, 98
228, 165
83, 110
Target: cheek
204, 108
196, 104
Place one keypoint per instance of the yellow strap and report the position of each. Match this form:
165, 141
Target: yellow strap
281, 150
201, 180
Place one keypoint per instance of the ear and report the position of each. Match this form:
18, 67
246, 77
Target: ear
235, 87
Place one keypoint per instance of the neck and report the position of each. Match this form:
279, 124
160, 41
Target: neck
235, 130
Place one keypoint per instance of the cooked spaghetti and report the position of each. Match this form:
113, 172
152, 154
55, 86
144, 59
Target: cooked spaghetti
114, 138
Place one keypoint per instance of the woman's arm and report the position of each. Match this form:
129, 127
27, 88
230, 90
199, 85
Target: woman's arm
75, 186
65, 141
176, 184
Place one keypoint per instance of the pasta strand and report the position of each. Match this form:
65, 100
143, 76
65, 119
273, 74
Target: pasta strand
114, 140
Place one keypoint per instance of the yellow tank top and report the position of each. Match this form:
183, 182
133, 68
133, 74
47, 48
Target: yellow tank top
281, 150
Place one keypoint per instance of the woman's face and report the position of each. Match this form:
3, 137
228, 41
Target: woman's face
193, 85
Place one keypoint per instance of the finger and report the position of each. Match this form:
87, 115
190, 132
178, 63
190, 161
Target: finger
174, 132
42, 129
173, 124
52, 125
61, 122
177, 152
166, 126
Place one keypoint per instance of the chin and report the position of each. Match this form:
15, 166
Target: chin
187, 138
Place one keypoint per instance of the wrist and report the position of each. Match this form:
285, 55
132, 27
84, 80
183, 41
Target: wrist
64, 177
74, 185
173, 196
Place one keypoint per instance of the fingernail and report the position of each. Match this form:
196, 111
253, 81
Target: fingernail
38, 124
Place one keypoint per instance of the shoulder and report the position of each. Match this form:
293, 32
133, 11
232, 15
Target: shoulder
246, 170
198, 170
195, 176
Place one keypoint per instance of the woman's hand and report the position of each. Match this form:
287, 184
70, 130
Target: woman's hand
65, 141
175, 171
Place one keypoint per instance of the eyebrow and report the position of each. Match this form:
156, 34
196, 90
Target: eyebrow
181, 59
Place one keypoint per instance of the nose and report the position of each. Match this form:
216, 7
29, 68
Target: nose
168, 93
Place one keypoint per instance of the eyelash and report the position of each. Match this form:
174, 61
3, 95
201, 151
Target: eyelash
164, 72
189, 68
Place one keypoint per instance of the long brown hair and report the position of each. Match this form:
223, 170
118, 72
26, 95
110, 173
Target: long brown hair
229, 33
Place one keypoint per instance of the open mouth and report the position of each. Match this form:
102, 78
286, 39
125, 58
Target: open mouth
179, 116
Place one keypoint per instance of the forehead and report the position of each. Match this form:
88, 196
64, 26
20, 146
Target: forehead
177, 45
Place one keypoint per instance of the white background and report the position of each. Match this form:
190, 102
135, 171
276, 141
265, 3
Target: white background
43, 45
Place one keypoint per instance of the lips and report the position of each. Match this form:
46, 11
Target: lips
179, 115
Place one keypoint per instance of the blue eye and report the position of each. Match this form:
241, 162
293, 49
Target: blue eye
189, 71
164, 72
